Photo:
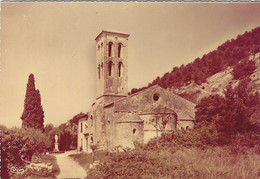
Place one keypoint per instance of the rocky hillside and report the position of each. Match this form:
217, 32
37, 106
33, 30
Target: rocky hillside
217, 83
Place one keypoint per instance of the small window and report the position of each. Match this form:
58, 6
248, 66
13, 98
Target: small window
187, 128
119, 68
155, 97
91, 120
110, 68
134, 130
119, 50
108, 121
81, 141
110, 44
98, 71
102, 44
101, 69
98, 47
91, 139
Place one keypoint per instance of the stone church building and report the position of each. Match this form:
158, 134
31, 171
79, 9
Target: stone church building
118, 119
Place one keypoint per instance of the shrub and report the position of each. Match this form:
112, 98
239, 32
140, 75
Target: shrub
20, 144
243, 69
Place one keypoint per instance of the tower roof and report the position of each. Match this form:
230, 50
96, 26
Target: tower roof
105, 32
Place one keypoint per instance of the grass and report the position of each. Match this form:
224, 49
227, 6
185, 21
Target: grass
219, 162
210, 163
85, 159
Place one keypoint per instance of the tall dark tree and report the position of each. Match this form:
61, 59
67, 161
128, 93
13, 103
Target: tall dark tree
33, 114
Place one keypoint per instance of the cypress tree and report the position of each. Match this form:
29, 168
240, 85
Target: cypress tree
33, 114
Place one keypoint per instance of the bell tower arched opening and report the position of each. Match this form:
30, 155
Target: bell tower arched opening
111, 59
110, 45
110, 66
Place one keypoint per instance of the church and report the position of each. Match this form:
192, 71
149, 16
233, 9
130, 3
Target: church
118, 119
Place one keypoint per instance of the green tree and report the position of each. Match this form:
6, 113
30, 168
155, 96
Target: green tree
18, 146
33, 114
35, 143
243, 69
209, 108
230, 114
241, 103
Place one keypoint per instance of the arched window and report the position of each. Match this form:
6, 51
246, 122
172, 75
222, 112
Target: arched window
102, 69
110, 44
134, 130
156, 97
110, 64
120, 64
98, 71
81, 128
81, 144
119, 50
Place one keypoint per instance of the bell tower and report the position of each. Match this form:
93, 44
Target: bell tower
111, 58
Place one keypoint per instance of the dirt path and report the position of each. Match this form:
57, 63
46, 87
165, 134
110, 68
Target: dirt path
68, 167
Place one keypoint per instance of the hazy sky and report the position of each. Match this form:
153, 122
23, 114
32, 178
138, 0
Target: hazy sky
55, 42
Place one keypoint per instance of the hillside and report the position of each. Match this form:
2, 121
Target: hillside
217, 83
212, 72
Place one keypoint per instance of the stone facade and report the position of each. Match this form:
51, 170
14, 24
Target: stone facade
118, 119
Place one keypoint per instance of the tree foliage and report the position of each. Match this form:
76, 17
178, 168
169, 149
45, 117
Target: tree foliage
231, 114
243, 69
160, 119
33, 114
18, 146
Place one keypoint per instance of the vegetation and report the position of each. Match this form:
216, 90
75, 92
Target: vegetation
230, 114
48, 159
19, 145
67, 133
215, 162
243, 69
40, 168
226, 55
33, 114
161, 119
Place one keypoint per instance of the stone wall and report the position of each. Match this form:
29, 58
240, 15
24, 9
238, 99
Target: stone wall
129, 133
150, 130
138, 102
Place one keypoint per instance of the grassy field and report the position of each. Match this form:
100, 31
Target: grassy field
219, 162
215, 162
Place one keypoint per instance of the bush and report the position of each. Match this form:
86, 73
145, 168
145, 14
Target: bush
243, 69
18, 145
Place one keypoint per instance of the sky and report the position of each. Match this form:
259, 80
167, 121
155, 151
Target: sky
55, 42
